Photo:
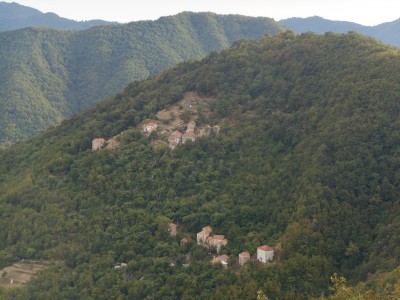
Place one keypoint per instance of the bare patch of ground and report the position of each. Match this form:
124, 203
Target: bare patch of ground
18, 274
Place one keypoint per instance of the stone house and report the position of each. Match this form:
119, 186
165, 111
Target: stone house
149, 127
211, 241
222, 259
98, 143
216, 128
244, 257
188, 136
203, 235
175, 139
184, 241
265, 254
191, 126
172, 229
217, 241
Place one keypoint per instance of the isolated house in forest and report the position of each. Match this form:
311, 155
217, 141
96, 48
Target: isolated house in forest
265, 254
172, 229
98, 143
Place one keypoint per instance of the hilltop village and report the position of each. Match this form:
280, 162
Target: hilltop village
173, 126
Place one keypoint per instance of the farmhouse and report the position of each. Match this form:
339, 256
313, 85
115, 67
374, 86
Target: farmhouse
222, 259
203, 235
216, 241
149, 127
172, 229
211, 241
188, 136
244, 257
175, 139
98, 143
265, 254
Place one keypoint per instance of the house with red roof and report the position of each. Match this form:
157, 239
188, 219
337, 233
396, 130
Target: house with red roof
149, 127
217, 241
265, 254
203, 235
98, 143
222, 259
244, 257
188, 136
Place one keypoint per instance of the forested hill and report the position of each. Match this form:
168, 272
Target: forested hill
306, 161
47, 75
16, 16
385, 32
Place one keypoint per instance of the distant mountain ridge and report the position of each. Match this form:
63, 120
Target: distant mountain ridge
16, 16
49, 74
385, 32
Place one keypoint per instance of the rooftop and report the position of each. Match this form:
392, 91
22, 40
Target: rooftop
265, 248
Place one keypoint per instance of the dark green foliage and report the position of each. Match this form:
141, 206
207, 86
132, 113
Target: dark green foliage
46, 75
307, 159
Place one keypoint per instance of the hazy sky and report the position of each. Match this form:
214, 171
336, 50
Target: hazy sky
366, 12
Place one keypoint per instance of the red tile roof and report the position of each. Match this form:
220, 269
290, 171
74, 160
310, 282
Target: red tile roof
245, 254
218, 237
265, 248
207, 228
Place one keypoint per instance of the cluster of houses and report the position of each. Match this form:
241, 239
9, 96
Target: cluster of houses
205, 238
176, 137
264, 254
215, 241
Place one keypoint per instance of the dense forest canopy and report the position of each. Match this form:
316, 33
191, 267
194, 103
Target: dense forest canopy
307, 161
47, 75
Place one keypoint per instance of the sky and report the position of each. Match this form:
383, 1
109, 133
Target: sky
365, 12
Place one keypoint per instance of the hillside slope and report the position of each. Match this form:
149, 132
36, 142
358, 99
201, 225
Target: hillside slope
385, 32
16, 16
47, 75
306, 161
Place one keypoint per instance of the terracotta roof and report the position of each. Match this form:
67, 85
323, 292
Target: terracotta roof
207, 228
204, 233
220, 258
176, 133
265, 248
246, 254
172, 225
218, 237
190, 134
149, 124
